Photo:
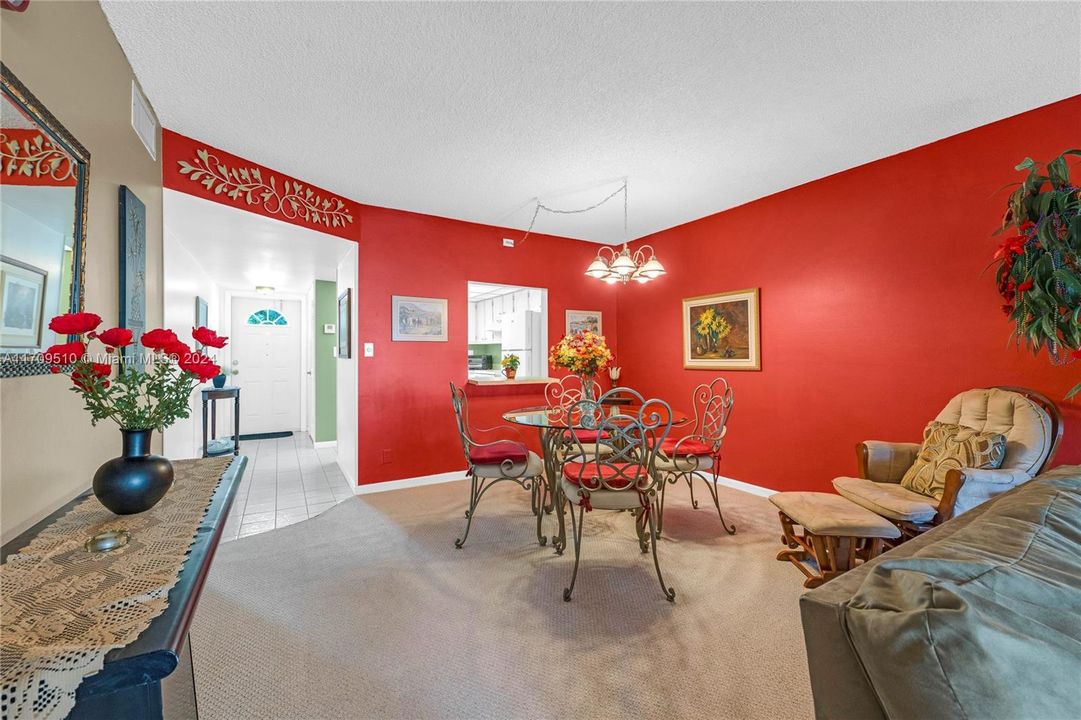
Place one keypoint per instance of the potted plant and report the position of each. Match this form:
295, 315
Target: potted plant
1039, 268
139, 401
510, 365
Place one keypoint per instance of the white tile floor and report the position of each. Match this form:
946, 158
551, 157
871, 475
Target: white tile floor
287, 480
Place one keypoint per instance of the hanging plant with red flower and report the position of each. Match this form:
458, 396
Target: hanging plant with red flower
122, 391
1039, 268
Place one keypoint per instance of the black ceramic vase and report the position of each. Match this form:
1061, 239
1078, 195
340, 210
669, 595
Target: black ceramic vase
135, 481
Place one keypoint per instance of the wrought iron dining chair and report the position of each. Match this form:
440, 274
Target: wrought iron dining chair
562, 394
623, 477
493, 462
699, 452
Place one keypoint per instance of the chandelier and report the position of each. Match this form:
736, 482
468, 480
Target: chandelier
610, 265
641, 265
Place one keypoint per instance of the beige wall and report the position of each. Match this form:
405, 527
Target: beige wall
66, 54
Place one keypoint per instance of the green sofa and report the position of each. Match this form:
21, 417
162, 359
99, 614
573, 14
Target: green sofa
978, 618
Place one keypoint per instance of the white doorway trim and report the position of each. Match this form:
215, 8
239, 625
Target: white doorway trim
227, 329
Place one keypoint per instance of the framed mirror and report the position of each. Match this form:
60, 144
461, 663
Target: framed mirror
44, 182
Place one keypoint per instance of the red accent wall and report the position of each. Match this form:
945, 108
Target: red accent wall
404, 392
876, 307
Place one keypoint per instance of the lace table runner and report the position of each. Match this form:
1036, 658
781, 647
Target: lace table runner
63, 609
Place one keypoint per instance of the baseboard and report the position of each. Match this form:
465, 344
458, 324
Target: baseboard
745, 487
326, 444
409, 482
460, 475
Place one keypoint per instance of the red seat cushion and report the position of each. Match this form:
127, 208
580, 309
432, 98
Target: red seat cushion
590, 474
497, 452
690, 447
588, 436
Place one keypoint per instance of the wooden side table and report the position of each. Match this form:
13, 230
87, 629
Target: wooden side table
210, 395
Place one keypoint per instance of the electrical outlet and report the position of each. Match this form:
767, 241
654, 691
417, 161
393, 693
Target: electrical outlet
508, 242
388, 455
369, 349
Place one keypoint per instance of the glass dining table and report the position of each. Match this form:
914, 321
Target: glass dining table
553, 425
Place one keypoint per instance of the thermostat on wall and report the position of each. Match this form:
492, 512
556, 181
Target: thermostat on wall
328, 328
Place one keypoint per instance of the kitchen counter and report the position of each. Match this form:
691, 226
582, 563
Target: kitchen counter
487, 381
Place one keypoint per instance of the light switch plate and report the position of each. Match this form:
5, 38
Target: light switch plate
369, 349
329, 328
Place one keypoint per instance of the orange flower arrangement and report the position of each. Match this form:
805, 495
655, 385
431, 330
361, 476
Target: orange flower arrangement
583, 353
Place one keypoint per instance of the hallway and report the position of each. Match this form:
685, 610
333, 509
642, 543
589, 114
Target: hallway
287, 480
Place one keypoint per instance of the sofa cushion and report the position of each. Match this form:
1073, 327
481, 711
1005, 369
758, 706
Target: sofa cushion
951, 447
887, 499
1025, 424
984, 621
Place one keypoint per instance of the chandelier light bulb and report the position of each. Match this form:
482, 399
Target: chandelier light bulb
623, 265
598, 269
653, 268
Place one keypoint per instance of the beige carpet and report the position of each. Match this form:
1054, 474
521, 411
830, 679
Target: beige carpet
368, 611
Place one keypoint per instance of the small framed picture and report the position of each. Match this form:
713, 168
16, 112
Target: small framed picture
720, 332
345, 311
418, 319
584, 320
22, 303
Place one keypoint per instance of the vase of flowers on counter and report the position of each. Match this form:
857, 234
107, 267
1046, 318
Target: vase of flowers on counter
510, 365
139, 394
583, 353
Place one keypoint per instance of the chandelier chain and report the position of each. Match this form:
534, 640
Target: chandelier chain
556, 211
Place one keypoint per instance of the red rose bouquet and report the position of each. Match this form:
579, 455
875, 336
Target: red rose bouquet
122, 391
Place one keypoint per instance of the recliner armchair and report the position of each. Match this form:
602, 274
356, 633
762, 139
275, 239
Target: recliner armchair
1030, 422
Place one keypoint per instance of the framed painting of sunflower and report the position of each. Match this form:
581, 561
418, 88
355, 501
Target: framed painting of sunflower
721, 331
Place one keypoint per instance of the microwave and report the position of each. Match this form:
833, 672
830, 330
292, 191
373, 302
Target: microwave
480, 362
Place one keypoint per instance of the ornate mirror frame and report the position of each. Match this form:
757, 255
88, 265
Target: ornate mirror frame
21, 365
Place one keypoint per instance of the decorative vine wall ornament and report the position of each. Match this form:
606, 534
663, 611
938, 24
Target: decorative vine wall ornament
293, 200
35, 157
1039, 269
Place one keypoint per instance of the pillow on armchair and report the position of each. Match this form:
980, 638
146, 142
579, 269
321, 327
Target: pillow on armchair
951, 447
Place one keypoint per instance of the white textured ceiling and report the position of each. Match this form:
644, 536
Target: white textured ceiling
240, 250
469, 110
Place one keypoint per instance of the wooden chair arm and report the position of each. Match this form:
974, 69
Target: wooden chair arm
954, 480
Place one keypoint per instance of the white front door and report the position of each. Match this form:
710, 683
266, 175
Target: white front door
265, 346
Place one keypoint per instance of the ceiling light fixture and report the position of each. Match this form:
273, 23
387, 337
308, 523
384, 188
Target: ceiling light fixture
610, 265
264, 289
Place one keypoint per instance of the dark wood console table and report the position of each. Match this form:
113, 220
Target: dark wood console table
210, 395
152, 678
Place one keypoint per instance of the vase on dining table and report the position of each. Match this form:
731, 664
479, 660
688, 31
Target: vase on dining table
589, 413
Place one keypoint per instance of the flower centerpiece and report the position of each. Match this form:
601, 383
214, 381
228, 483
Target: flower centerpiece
1039, 268
583, 353
510, 365
138, 400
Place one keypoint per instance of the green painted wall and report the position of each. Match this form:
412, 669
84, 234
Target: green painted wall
326, 367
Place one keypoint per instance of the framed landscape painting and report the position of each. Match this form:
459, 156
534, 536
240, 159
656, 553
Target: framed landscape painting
720, 332
22, 303
583, 320
418, 319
